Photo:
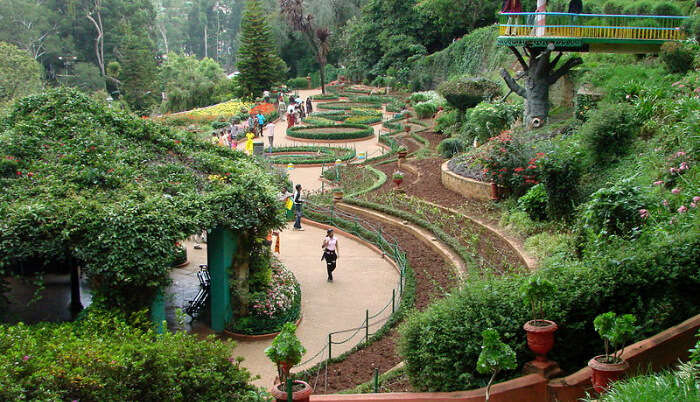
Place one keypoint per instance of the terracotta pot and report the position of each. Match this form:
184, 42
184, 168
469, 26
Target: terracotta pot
299, 396
337, 195
495, 196
540, 338
397, 182
407, 128
605, 373
402, 154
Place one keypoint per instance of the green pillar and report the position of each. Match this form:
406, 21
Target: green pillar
221, 247
158, 312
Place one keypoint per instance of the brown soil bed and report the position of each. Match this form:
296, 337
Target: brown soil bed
389, 169
434, 138
433, 279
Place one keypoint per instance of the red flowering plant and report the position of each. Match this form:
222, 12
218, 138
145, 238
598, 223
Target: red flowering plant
508, 162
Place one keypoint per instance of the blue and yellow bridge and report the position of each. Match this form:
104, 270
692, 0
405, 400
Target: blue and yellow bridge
590, 32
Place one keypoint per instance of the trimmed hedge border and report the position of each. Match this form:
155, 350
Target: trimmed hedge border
336, 115
405, 305
330, 155
359, 119
349, 105
363, 132
324, 97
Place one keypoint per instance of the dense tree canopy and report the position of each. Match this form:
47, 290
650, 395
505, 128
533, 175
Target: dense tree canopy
188, 82
20, 75
113, 193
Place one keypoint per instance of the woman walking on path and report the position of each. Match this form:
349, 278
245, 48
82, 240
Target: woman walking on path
296, 198
309, 108
330, 253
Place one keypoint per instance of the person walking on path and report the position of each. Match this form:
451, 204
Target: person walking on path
309, 107
261, 122
270, 134
296, 198
249, 143
330, 253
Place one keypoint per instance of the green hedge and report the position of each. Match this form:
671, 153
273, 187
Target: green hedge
364, 131
337, 115
325, 97
329, 155
349, 105
101, 358
363, 119
298, 83
654, 277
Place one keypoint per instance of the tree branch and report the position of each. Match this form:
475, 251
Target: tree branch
543, 60
514, 86
571, 63
555, 61
520, 58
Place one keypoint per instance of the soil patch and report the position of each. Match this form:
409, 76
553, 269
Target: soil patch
389, 170
434, 138
433, 278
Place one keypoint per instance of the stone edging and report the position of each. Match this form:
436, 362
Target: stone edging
423, 234
465, 186
244, 337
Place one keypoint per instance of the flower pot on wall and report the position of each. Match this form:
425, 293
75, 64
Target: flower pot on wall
495, 196
300, 395
540, 337
605, 373
402, 154
338, 195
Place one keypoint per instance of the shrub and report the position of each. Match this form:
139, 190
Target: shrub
609, 131
678, 57
534, 202
543, 245
363, 119
465, 92
560, 173
298, 83
349, 105
425, 110
667, 8
100, 358
506, 161
446, 121
613, 211
449, 147
418, 97
487, 120
676, 386
654, 279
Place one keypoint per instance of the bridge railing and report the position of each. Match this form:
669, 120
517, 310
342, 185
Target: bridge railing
600, 26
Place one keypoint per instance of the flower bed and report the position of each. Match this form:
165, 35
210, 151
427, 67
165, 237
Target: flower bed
310, 155
331, 132
226, 109
349, 105
336, 115
271, 308
265, 109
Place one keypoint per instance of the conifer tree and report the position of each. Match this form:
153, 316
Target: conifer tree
259, 64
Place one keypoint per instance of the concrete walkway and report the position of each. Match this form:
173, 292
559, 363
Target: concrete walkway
363, 281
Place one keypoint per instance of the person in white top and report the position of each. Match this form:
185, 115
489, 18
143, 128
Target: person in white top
270, 133
330, 253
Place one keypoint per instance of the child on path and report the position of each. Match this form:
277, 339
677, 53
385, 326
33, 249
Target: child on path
330, 253
249, 143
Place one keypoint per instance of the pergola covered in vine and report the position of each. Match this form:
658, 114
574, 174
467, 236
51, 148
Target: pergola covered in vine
84, 186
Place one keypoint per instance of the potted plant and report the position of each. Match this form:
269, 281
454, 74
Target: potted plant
407, 128
540, 332
286, 351
397, 178
616, 331
338, 194
402, 152
494, 357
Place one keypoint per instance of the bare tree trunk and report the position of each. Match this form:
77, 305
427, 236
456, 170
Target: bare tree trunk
206, 46
99, 40
323, 79
540, 74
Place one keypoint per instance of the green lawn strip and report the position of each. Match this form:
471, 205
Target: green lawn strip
361, 131
349, 105
368, 387
330, 155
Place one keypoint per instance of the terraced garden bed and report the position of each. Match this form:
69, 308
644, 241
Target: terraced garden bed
349, 105
309, 155
331, 132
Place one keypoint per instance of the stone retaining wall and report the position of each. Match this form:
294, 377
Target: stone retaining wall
465, 186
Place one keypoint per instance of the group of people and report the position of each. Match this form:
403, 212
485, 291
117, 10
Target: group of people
297, 110
255, 125
515, 6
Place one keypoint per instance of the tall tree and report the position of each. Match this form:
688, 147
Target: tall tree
258, 62
30, 25
318, 37
94, 14
20, 74
139, 72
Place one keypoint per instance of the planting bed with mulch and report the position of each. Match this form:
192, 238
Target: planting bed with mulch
433, 279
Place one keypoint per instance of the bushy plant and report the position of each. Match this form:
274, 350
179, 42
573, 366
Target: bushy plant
507, 162
417, 97
100, 357
613, 211
667, 8
677, 386
425, 110
616, 331
534, 202
560, 173
495, 356
534, 293
486, 120
449, 147
298, 83
609, 131
678, 57
446, 121
465, 92
286, 350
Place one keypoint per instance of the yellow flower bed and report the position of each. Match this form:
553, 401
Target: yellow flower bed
226, 109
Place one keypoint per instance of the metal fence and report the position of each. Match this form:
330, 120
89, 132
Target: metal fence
370, 322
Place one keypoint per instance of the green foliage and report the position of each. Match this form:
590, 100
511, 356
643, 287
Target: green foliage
544, 245
139, 73
534, 293
349, 105
678, 57
417, 97
560, 173
425, 110
190, 83
259, 65
487, 120
298, 83
324, 155
286, 348
100, 357
654, 278
613, 211
609, 131
335, 132
86, 77
449, 147
616, 331
495, 355
20, 75
114, 193
534, 202
669, 386
446, 122
466, 92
